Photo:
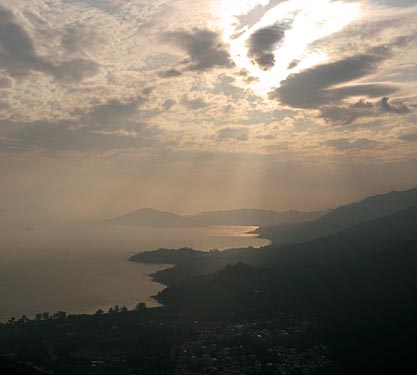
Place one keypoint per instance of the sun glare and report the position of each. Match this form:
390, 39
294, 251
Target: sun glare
308, 22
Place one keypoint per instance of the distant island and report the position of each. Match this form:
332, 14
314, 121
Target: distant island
148, 217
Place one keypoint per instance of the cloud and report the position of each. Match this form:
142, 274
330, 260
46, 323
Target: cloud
77, 37
67, 136
5, 83
4, 105
251, 18
399, 3
204, 47
398, 109
411, 137
194, 104
344, 115
19, 58
112, 125
170, 73
238, 134
345, 144
314, 87
104, 5
168, 104
114, 113
262, 43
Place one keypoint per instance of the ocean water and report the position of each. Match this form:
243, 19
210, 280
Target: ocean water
79, 268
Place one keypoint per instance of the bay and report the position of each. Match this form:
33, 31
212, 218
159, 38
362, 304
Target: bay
83, 267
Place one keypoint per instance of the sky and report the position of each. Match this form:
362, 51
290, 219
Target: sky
112, 105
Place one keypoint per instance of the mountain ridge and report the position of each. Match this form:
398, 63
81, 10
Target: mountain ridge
240, 217
343, 217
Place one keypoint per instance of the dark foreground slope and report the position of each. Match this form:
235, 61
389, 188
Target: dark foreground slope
343, 217
360, 283
8, 367
367, 308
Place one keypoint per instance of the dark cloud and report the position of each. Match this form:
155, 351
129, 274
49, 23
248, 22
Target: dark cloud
109, 6
77, 37
397, 108
362, 104
69, 136
168, 104
345, 115
148, 90
313, 88
204, 47
293, 64
263, 42
4, 105
170, 73
5, 83
411, 137
255, 15
108, 126
113, 114
399, 3
194, 104
345, 144
239, 134
18, 56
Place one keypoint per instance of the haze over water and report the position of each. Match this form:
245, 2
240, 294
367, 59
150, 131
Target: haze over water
79, 268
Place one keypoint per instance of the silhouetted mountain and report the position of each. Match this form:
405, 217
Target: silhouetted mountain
254, 217
148, 217
342, 247
352, 243
250, 217
343, 217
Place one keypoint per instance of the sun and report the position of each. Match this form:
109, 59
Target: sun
308, 21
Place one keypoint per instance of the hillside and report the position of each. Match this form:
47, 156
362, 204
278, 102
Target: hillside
343, 217
354, 243
366, 308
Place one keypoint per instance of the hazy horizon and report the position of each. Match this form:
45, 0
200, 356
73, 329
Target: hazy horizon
189, 106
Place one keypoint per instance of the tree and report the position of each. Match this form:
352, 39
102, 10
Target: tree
61, 314
45, 315
141, 306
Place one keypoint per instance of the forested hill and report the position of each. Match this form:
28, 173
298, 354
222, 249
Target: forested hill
343, 217
361, 240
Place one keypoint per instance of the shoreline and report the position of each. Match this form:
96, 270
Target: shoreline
180, 257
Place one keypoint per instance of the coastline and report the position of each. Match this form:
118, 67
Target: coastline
184, 263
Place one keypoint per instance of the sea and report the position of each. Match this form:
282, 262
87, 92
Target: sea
82, 267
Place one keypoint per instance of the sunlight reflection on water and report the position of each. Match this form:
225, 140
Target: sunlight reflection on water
80, 269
